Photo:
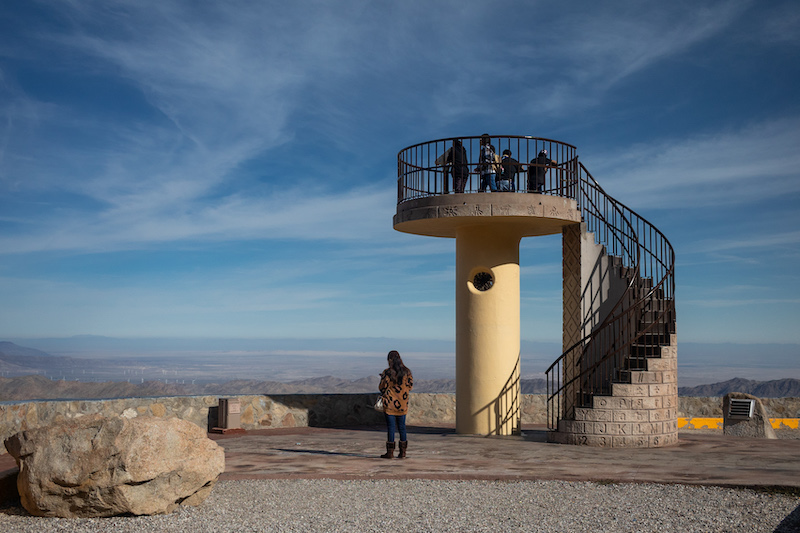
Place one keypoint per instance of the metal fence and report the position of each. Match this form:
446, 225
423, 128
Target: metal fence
457, 165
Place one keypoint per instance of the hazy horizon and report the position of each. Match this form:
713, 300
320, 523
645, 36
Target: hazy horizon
353, 358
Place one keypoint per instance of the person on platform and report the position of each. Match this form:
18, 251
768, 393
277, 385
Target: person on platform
456, 165
537, 170
510, 168
395, 386
489, 165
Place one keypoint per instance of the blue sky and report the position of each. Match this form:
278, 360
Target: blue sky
227, 169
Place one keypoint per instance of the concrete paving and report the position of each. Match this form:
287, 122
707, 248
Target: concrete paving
699, 458
706, 458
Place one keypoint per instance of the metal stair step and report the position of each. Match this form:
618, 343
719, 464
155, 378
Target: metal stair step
645, 350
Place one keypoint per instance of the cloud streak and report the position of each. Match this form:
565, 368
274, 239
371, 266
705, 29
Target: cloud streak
757, 162
356, 215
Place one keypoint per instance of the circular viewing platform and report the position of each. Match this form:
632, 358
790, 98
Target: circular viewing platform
524, 184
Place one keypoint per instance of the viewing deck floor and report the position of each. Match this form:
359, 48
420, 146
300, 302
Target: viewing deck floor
700, 458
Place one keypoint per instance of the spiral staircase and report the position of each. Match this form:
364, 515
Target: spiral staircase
615, 384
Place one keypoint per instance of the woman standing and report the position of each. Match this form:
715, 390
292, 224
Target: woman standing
396, 384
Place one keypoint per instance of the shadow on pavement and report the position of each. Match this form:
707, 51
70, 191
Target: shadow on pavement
790, 524
322, 452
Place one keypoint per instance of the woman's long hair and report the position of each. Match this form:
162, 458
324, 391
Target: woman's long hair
397, 371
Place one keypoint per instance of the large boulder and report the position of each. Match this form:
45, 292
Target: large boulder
97, 466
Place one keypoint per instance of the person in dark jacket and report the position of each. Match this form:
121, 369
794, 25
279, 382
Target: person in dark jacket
510, 167
537, 170
457, 165
395, 386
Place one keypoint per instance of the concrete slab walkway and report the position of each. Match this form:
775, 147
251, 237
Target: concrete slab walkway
438, 453
700, 458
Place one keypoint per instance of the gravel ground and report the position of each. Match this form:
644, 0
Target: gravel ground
793, 434
424, 505
787, 433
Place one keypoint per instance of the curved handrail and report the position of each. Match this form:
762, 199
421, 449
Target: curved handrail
606, 220
601, 355
423, 171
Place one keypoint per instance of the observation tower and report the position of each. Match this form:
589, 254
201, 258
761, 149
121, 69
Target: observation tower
615, 382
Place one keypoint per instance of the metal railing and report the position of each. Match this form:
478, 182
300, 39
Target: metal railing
441, 167
640, 322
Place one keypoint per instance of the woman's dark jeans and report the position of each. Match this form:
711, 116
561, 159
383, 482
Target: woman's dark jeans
398, 421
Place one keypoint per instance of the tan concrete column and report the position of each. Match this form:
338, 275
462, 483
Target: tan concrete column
487, 331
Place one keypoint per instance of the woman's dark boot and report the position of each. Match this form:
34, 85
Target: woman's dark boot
389, 451
403, 446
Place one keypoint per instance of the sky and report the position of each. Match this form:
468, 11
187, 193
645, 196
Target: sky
200, 169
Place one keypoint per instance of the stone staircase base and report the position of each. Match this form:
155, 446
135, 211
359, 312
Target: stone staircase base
640, 414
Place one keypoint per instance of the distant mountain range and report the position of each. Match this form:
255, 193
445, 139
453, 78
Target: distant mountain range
36, 387
41, 388
9, 349
18, 360
779, 388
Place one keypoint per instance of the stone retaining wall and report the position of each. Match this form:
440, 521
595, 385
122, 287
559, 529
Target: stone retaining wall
257, 411
299, 410
691, 406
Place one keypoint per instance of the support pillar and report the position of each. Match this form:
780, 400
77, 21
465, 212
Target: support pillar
487, 331
572, 329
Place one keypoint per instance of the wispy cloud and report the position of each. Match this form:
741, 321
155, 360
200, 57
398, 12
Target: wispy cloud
224, 82
739, 302
757, 162
549, 269
358, 214
426, 304
592, 50
778, 24
747, 242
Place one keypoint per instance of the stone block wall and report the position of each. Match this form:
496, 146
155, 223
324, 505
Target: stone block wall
642, 414
711, 407
320, 410
257, 411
